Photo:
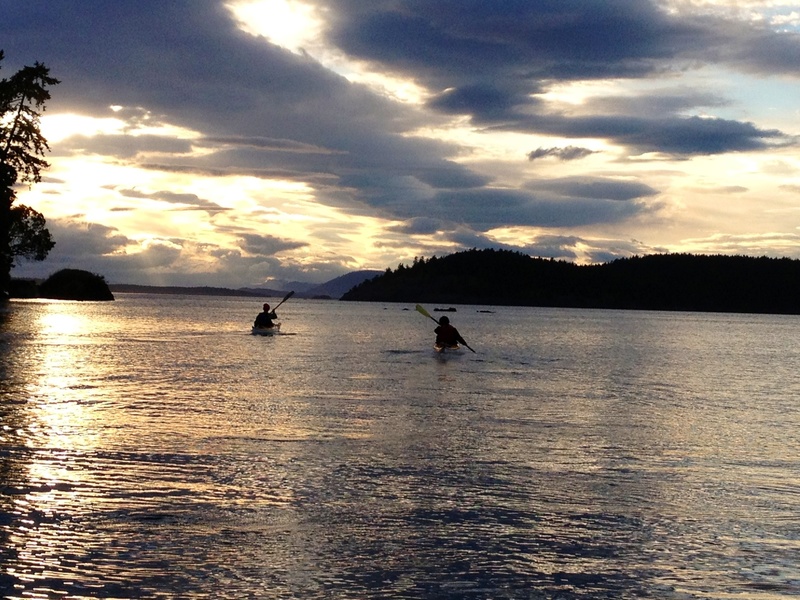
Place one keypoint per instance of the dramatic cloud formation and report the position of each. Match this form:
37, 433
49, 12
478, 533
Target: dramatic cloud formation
241, 142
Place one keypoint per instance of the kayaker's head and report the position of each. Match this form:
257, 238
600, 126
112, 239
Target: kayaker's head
266, 307
444, 321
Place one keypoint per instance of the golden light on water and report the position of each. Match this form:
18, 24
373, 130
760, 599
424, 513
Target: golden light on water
60, 323
62, 410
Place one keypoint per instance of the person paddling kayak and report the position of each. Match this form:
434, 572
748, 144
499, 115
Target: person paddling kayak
445, 331
447, 335
264, 319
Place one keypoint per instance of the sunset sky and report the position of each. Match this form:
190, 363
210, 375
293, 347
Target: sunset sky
253, 142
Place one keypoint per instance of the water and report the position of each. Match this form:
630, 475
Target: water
152, 448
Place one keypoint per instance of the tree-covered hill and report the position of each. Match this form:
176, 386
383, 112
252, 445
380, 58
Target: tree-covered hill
657, 282
75, 284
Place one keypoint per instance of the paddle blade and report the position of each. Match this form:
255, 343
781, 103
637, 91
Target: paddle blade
424, 312
285, 298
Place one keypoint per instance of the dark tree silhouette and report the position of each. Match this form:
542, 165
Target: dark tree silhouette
28, 236
22, 146
658, 282
75, 284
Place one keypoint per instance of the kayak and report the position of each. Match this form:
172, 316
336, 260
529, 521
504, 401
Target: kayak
449, 349
266, 330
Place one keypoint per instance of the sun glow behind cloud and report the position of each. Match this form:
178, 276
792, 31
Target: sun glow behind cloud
299, 27
60, 126
292, 25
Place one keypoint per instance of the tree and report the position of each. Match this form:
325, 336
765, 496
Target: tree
22, 147
28, 236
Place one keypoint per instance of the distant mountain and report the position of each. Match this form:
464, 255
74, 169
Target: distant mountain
658, 282
300, 287
197, 291
336, 288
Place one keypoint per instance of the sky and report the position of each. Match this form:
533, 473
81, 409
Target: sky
244, 143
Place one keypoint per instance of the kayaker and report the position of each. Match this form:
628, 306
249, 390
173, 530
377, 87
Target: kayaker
264, 319
447, 335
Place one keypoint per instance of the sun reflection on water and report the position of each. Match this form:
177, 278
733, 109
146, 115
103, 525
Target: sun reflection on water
63, 390
56, 321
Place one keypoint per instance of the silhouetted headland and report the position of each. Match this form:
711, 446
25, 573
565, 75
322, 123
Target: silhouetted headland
681, 282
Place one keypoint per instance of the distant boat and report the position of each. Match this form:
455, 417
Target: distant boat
451, 309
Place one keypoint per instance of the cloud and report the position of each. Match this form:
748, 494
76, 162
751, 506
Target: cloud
691, 136
456, 41
122, 146
509, 208
604, 188
460, 50
766, 244
670, 101
561, 247
280, 145
485, 102
82, 239
566, 153
79, 245
185, 201
419, 226
761, 50
267, 245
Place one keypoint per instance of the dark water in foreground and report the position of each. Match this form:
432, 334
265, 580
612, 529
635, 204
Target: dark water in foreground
577, 454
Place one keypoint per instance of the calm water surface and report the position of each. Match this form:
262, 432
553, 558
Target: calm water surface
152, 448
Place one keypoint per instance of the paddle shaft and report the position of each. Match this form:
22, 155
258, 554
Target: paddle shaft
285, 298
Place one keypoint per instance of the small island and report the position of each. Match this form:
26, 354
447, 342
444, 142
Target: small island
66, 284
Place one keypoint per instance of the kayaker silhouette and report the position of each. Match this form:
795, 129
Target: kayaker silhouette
447, 336
264, 319
444, 331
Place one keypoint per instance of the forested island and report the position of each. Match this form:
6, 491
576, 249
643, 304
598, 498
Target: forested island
682, 282
66, 284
